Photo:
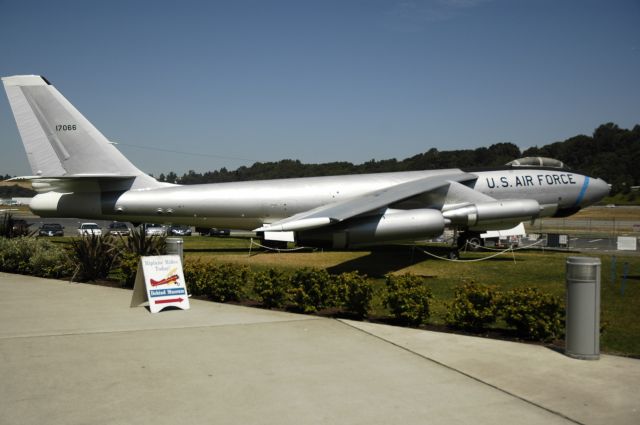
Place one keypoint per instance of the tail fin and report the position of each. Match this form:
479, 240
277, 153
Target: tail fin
59, 140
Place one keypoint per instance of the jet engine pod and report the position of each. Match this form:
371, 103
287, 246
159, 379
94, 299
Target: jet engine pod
393, 225
486, 215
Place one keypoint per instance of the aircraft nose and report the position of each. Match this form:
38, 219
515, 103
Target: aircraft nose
597, 190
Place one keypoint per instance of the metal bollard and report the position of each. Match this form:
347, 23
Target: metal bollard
583, 308
175, 246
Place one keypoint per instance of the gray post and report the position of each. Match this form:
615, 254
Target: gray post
175, 247
582, 331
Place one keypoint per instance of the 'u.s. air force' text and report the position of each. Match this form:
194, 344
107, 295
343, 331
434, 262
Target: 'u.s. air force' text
533, 180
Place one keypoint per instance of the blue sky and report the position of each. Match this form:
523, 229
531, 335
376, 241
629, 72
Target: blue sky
228, 83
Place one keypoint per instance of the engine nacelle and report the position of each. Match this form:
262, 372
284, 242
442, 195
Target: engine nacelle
393, 225
56, 204
489, 214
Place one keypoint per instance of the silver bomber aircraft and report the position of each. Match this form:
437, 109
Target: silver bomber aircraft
78, 173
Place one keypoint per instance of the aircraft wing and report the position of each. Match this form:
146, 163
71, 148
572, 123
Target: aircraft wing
343, 210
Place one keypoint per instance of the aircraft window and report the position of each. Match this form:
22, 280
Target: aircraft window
536, 161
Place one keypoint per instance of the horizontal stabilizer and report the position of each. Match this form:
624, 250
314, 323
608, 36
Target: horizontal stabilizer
73, 177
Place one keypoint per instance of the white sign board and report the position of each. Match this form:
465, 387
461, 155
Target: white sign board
627, 243
160, 281
563, 240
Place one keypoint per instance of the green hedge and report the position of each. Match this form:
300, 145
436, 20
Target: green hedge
219, 282
354, 293
534, 315
408, 298
473, 307
36, 257
312, 290
272, 288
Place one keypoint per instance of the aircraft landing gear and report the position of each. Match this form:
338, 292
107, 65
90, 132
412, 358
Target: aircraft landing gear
470, 241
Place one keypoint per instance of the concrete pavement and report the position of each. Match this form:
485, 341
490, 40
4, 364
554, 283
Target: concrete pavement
77, 354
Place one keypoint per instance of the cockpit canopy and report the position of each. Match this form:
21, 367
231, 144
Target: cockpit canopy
536, 161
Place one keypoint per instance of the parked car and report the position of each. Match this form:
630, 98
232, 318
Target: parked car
155, 229
119, 228
179, 230
89, 229
219, 232
51, 229
208, 231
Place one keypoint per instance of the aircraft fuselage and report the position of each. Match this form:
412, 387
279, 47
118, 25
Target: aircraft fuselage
248, 205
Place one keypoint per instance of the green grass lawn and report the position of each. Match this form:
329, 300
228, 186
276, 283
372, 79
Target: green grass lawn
542, 270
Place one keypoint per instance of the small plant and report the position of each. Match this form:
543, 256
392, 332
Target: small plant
535, 315
272, 288
94, 255
473, 307
408, 298
356, 293
139, 243
131, 248
310, 290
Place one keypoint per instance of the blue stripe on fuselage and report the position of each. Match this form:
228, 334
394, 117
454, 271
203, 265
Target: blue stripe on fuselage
583, 190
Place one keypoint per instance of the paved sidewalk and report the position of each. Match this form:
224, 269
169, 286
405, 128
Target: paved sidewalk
77, 354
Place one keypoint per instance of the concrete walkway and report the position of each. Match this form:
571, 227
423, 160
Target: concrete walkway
77, 354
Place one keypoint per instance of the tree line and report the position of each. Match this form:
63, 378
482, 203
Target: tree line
611, 153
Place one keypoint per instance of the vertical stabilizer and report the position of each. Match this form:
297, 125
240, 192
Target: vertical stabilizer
59, 140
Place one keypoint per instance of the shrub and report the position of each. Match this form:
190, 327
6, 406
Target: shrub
228, 282
127, 268
50, 260
473, 307
139, 243
195, 276
355, 293
535, 315
219, 282
95, 255
131, 248
34, 256
272, 288
408, 298
15, 254
310, 290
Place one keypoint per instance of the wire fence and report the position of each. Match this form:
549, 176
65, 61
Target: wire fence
596, 227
